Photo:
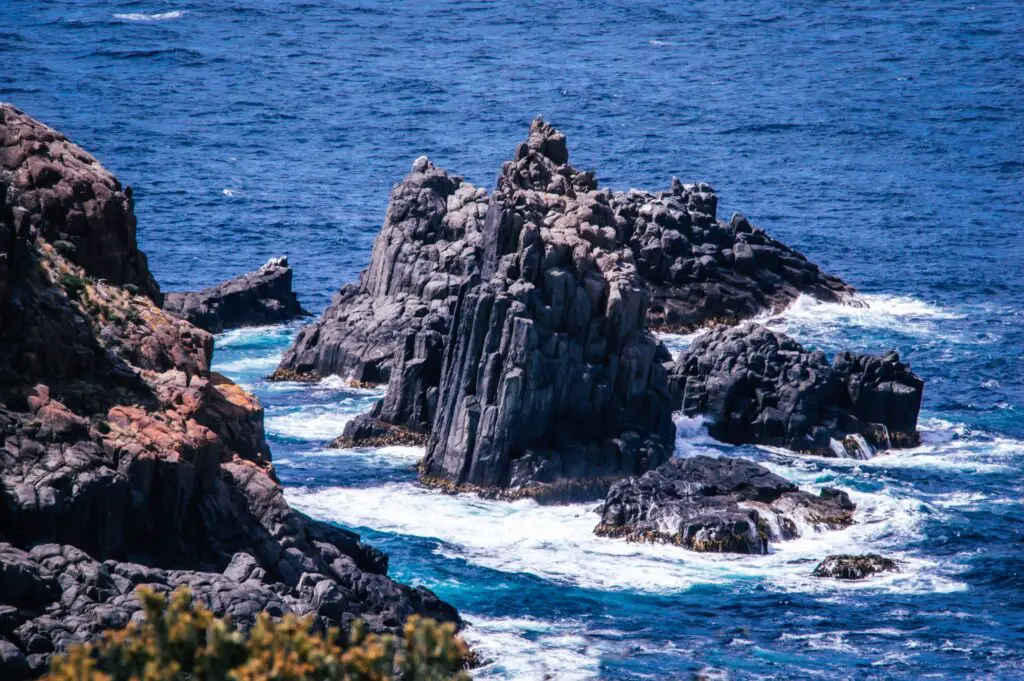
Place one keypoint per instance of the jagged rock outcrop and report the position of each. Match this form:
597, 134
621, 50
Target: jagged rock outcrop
849, 567
758, 386
264, 296
701, 270
718, 504
53, 189
551, 382
697, 271
123, 457
427, 248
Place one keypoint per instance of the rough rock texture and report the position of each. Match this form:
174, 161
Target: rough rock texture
117, 444
52, 189
718, 504
855, 567
427, 248
261, 297
758, 386
702, 270
550, 377
697, 270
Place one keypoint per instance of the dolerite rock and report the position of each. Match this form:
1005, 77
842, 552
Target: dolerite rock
551, 384
697, 270
427, 248
264, 296
52, 189
855, 567
124, 460
758, 386
703, 271
718, 504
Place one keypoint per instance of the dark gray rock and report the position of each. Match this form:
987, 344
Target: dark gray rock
758, 386
427, 248
855, 567
432, 243
264, 296
550, 378
717, 504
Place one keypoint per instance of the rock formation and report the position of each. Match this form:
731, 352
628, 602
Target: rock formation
855, 567
261, 297
697, 271
428, 247
718, 504
52, 189
758, 386
123, 459
550, 379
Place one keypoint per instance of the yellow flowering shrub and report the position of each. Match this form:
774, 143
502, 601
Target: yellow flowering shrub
180, 639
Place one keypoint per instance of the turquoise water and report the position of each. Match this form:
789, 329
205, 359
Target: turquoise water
881, 139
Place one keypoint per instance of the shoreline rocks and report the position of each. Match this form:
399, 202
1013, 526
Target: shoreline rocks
263, 296
758, 386
124, 460
722, 504
847, 567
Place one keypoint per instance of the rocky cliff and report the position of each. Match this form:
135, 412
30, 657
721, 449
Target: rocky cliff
123, 459
264, 296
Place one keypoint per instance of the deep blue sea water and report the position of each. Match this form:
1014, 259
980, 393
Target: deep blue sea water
884, 140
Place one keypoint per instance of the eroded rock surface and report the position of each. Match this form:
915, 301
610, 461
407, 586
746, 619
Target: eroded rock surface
391, 326
551, 379
428, 247
718, 504
125, 460
263, 296
50, 188
855, 567
758, 386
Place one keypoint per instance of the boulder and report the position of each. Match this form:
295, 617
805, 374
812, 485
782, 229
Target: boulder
718, 504
855, 567
124, 460
758, 386
264, 296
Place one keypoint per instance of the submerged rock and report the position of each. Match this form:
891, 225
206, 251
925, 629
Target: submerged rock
758, 386
550, 377
264, 296
124, 460
855, 567
718, 504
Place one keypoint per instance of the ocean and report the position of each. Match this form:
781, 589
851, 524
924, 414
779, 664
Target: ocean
883, 140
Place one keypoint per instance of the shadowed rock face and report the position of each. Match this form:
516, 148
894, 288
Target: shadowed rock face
428, 247
125, 461
855, 567
264, 296
550, 377
758, 386
52, 189
718, 504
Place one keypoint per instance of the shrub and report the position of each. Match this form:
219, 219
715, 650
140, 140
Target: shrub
65, 248
132, 289
183, 640
73, 285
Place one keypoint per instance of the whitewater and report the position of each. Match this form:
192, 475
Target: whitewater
901, 496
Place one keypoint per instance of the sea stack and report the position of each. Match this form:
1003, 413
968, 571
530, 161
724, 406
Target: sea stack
124, 460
